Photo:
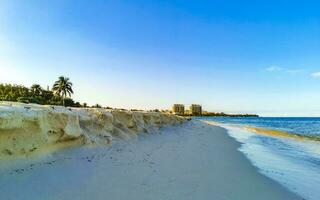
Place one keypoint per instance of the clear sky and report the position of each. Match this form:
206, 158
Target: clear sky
228, 55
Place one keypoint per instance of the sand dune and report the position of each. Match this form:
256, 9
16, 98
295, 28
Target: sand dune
27, 129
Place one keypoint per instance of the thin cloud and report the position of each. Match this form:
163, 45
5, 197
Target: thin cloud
284, 70
295, 71
274, 69
316, 74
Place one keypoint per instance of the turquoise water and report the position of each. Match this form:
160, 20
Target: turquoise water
298, 125
293, 163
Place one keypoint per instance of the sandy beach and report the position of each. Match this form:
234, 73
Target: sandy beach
189, 161
159, 100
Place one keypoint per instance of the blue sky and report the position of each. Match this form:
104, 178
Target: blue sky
232, 56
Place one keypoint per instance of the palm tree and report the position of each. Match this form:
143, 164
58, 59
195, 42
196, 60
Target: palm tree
36, 90
63, 87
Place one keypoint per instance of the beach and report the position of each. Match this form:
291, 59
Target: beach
284, 149
188, 161
30, 129
159, 100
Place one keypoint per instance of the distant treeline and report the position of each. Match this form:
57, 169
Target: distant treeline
221, 114
34, 94
60, 94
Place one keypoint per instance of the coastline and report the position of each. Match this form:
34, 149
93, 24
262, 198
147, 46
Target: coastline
254, 185
191, 161
287, 156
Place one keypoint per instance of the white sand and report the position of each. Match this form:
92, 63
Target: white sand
194, 161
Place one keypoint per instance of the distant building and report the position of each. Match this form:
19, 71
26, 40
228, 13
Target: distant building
196, 109
178, 109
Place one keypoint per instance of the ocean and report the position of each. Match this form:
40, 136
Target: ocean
285, 149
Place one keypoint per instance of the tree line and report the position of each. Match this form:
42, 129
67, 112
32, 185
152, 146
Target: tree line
60, 94
222, 114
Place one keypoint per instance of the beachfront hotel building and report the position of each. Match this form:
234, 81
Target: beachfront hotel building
196, 109
178, 109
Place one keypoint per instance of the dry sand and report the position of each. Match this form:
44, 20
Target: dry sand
29, 129
191, 161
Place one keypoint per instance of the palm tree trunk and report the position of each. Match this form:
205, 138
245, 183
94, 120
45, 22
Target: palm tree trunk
63, 102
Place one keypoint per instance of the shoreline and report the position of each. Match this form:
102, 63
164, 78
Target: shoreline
262, 179
190, 161
287, 158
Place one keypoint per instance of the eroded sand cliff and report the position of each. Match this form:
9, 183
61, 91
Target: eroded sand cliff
27, 128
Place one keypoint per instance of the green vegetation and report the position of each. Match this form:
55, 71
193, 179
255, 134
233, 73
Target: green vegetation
221, 114
62, 88
97, 106
36, 94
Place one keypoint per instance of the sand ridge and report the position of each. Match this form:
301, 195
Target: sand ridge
26, 129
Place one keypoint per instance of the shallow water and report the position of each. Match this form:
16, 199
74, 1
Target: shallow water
308, 126
285, 149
